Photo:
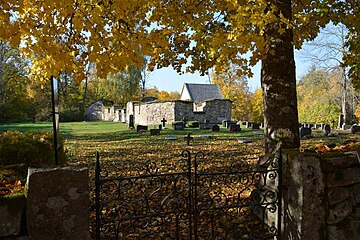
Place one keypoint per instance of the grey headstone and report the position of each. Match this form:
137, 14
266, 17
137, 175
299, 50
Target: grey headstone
131, 121
341, 121
58, 203
154, 132
235, 128
141, 128
355, 129
170, 138
245, 140
304, 131
215, 128
327, 129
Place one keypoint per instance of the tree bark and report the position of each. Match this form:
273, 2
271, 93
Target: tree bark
279, 85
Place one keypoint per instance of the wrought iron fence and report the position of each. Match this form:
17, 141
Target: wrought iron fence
190, 200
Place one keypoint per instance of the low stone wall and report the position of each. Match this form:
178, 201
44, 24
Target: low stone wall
321, 197
342, 198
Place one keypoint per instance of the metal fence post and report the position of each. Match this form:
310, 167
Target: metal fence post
97, 196
280, 198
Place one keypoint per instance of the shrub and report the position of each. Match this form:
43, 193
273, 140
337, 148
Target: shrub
193, 124
30, 148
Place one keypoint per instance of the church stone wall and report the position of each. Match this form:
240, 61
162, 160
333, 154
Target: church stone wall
213, 111
152, 113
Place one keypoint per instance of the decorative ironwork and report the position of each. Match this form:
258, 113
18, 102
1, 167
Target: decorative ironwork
190, 201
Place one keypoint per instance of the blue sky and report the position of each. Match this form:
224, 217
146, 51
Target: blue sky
169, 80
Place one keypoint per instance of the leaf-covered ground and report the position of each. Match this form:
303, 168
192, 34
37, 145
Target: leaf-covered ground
118, 146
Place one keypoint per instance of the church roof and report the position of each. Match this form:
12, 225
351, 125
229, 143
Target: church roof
201, 92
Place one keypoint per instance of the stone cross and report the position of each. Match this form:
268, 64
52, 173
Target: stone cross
163, 122
188, 139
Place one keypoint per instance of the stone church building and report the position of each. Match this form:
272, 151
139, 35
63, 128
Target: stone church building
198, 102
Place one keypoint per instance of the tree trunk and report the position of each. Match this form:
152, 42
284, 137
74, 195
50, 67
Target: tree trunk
279, 86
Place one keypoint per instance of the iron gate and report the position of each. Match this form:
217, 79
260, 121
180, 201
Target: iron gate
188, 201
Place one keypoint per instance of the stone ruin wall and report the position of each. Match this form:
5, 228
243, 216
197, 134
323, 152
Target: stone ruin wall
214, 111
153, 113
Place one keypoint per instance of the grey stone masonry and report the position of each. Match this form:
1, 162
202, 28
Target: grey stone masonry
151, 113
58, 203
321, 197
303, 193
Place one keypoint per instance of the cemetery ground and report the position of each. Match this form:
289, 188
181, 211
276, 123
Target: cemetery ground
118, 146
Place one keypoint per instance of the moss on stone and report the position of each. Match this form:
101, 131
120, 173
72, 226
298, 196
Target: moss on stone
15, 202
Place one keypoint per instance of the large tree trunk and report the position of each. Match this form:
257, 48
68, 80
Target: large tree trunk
279, 86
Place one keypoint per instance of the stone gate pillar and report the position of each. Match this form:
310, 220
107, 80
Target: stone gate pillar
303, 197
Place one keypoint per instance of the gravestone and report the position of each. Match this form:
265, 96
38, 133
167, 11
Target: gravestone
178, 125
154, 132
215, 128
355, 129
345, 126
249, 124
58, 203
163, 122
235, 128
245, 140
207, 137
341, 121
141, 128
224, 122
255, 126
170, 138
304, 131
229, 123
160, 127
184, 120
188, 138
327, 130
131, 121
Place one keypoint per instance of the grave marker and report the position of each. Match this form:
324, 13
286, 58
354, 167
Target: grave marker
163, 122
235, 128
341, 121
131, 122
170, 138
215, 128
304, 131
188, 139
249, 124
154, 132
141, 128
355, 129
327, 130
255, 126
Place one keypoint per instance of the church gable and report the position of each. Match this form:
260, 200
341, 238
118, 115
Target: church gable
200, 92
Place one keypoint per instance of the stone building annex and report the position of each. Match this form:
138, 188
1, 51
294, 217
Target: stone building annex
198, 102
